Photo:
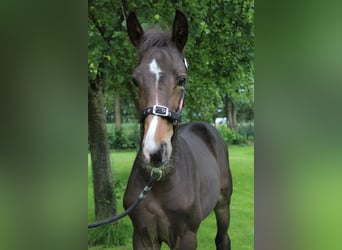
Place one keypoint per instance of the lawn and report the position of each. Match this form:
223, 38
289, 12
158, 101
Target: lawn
241, 229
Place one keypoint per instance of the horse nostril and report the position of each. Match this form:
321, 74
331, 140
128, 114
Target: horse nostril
158, 156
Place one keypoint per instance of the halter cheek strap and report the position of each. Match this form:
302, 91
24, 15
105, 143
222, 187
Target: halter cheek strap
181, 102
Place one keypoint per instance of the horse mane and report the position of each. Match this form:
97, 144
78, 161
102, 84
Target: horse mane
155, 38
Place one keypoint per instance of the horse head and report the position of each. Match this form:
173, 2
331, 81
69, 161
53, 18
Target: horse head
160, 78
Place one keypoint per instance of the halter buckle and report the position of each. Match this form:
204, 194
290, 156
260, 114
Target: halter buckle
160, 110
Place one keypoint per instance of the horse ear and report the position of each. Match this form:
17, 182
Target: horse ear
180, 30
134, 29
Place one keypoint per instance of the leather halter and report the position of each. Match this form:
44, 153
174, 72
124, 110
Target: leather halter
163, 111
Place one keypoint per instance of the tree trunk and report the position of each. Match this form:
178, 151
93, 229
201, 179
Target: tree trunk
105, 204
234, 121
117, 110
231, 114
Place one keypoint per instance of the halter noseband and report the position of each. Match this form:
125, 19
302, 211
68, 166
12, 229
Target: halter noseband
163, 111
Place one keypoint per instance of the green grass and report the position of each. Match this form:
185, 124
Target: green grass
241, 229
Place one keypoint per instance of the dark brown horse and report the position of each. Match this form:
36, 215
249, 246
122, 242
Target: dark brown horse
190, 159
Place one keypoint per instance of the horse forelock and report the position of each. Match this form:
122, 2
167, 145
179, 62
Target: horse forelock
155, 38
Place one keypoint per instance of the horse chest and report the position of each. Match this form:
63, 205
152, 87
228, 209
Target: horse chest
170, 216
167, 207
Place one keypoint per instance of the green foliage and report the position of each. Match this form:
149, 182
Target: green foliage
246, 129
120, 140
228, 135
244, 134
109, 235
127, 137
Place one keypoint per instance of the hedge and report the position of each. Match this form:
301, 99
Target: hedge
128, 136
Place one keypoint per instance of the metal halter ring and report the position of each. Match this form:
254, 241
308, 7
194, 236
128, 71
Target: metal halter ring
158, 172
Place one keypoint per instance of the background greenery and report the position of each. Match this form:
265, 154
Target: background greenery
128, 136
220, 52
242, 207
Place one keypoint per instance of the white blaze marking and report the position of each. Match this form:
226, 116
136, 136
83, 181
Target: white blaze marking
150, 145
154, 68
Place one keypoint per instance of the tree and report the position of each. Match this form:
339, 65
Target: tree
226, 35
105, 203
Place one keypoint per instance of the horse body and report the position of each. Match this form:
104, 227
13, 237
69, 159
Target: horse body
190, 159
174, 208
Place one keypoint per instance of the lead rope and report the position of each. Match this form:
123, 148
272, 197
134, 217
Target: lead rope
155, 176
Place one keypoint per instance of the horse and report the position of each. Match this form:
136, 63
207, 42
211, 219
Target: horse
191, 160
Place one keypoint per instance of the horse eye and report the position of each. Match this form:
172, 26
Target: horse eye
181, 82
